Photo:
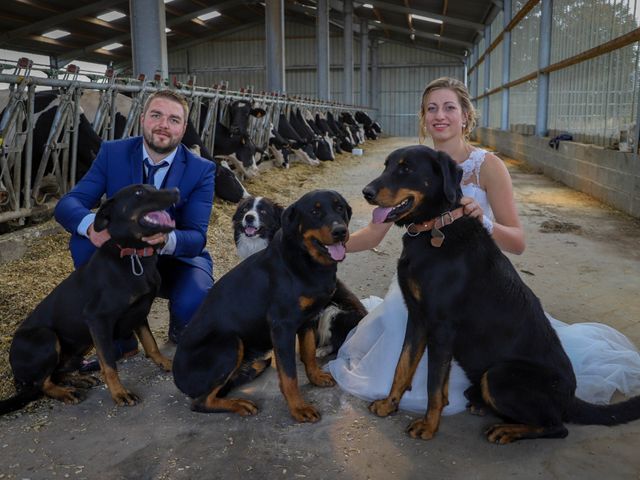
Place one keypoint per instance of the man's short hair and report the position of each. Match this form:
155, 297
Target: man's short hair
169, 95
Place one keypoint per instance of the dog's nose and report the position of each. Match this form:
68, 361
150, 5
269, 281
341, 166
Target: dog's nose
249, 218
339, 232
369, 193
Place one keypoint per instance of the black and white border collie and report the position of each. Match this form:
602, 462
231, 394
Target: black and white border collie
255, 222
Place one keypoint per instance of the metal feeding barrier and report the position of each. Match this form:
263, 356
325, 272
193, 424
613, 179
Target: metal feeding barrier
30, 186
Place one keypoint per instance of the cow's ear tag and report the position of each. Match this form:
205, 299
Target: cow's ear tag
437, 237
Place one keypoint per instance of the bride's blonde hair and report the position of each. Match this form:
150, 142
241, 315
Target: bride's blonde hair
464, 98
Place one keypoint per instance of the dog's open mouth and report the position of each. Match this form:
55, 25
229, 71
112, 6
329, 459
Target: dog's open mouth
251, 231
390, 214
336, 251
159, 218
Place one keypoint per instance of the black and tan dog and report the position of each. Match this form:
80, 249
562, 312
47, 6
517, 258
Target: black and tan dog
255, 223
289, 282
108, 297
466, 302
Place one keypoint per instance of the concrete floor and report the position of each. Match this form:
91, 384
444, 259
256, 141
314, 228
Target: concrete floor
590, 273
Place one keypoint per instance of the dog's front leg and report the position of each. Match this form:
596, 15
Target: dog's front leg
284, 348
102, 334
317, 376
415, 341
151, 350
437, 393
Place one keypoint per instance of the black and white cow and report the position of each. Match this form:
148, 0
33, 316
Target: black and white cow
46, 105
323, 147
370, 131
279, 148
328, 132
302, 150
356, 130
347, 141
232, 141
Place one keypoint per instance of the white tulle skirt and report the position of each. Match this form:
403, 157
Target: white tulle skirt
603, 359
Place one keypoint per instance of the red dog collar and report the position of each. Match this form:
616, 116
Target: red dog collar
435, 224
140, 252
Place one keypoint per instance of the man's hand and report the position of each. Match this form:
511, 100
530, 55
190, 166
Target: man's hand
98, 238
158, 239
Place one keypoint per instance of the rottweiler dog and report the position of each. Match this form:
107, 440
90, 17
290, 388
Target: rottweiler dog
262, 304
466, 302
108, 297
255, 223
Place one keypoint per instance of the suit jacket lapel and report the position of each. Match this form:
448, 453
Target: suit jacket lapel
136, 163
174, 176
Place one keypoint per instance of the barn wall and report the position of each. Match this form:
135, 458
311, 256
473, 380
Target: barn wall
239, 59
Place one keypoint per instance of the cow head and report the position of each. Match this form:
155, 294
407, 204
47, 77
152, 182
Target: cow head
239, 112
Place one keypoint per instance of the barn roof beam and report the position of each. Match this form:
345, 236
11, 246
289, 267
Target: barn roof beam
42, 25
445, 18
68, 56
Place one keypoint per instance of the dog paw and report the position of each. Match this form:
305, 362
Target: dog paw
383, 408
71, 396
476, 410
322, 379
125, 397
421, 429
502, 434
244, 407
305, 413
165, 363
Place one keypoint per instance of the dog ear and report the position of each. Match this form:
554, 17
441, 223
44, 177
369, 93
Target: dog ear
451, 176
346, 206
279, 210
103, 216
290, 220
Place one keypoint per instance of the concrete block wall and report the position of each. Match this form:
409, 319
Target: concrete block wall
611, 176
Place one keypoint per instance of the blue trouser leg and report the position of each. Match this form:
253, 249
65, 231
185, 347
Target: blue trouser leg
185, 286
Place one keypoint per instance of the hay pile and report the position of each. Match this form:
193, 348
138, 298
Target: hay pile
24, 282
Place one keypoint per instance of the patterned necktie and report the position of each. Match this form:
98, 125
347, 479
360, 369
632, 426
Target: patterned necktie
152, 169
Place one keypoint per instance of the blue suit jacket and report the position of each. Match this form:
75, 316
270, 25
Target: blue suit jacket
118, 164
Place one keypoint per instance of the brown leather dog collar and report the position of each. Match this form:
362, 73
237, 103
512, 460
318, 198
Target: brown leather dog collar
140, 252
134, 254
435, 224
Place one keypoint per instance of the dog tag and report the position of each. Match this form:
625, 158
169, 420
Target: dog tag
437, 237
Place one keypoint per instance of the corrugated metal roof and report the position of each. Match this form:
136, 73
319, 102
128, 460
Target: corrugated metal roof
23, 23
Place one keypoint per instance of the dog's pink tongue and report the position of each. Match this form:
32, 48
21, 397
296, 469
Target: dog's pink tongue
250, 231
337, 251
161, 217
380, 214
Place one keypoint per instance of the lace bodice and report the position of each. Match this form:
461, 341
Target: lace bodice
471, 180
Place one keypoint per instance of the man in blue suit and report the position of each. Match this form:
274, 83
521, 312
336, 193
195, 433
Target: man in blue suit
160, 159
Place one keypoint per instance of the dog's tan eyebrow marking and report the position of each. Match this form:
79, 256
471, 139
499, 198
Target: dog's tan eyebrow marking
306, 302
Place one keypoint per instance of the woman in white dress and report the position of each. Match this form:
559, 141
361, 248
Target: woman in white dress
603, 359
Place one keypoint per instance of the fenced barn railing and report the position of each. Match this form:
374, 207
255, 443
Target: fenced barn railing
30, 186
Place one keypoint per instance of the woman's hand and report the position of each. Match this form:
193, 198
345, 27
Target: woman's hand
471, 208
